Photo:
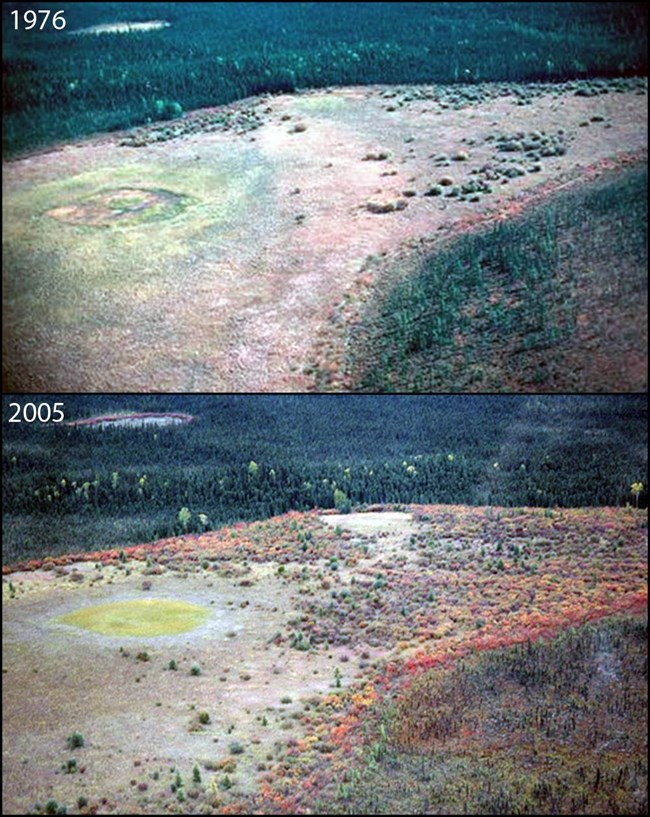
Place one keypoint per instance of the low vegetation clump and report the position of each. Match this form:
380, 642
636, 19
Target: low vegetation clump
75, 740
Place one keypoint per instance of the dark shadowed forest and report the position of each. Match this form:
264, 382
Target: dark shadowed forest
243, 458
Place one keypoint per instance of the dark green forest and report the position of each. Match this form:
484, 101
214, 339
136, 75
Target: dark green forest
250, 457
57, 86
438, 330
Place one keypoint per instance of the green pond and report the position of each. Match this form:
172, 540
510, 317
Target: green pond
141, 617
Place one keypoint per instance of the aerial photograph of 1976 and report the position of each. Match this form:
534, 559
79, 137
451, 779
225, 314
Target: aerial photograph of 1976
266, 197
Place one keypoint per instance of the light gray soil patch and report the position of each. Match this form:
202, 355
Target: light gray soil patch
371, 523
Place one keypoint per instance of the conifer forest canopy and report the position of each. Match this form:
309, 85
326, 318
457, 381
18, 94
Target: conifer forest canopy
252, 457
215, 53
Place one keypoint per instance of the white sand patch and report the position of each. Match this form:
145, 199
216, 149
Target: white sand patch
369, 523
123, 28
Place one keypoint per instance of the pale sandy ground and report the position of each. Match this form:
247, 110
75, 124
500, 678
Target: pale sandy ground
368, 523
233, 293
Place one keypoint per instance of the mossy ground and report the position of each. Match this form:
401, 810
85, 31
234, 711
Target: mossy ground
140, 617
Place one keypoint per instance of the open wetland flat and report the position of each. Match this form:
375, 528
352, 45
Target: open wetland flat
245, 668
212, 252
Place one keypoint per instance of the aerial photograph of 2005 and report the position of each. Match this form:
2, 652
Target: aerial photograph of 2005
325, 604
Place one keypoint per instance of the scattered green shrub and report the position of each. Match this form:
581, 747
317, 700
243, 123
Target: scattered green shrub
166, 109
75, 740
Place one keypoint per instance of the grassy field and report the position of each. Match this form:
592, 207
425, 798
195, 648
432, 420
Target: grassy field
146, 257
82, 277
504, 309
142, 617
58, 87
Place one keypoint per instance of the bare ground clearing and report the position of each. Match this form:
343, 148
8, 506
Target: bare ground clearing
290, 196
367, 523
138, 717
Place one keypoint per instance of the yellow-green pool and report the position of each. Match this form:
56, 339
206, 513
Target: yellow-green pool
140, 617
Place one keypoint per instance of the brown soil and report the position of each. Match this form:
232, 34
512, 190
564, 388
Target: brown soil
334, 177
